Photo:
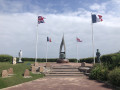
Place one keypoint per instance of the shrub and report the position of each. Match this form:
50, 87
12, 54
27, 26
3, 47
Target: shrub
44, 60
111, 60
108, 58
88, 60
99, 72
39, 59
72, 60
5, 58
114, 76
116, 61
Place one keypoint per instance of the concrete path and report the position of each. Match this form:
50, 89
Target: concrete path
61, 83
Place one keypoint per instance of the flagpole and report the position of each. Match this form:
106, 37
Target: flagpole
46, 50
77, 52
36, 42
93, 41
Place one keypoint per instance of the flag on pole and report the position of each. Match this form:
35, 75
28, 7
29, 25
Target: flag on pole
49, 39
78, 40
96, 18
40, 19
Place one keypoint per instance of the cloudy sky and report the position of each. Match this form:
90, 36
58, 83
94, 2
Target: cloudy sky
18, 25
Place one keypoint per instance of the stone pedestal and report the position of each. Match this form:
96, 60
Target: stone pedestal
26, 73
48, 65
20, 61
14, 60
33, 69
62, 61
10, 71
83, 64
36, 64
4, 73
41, 69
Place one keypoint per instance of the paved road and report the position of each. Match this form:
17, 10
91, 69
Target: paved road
61, 83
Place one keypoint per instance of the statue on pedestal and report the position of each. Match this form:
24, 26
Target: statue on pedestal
62, 54
98, 55
20, 56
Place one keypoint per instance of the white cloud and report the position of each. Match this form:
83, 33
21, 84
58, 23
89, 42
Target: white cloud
116, 1
18, 31
97, 6
110, 7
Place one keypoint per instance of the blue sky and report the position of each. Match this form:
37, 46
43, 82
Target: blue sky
58, 5
18, 19
49, 6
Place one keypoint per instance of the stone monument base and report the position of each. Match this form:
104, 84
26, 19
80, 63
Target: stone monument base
20, 62
62, 61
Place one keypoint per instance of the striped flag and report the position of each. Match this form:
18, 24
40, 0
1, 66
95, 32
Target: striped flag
96, 18
78, 40
40, 19
49, 39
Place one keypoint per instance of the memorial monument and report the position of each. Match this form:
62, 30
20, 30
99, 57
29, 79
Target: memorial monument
20, 56
62, 54
98, 56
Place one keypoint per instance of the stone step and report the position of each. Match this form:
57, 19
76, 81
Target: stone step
65, 73
64, 70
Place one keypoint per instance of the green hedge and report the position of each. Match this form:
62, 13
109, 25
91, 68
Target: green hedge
5, 58
39, 59
106, 59
88, 60
8, 58
72, 60
44, 60
111, 60
99, 72
114, 76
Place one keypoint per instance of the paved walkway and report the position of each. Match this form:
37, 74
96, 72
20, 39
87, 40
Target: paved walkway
61, 83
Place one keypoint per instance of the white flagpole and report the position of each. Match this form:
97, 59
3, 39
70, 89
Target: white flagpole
93, 40
77, 52
46, 50
36, 42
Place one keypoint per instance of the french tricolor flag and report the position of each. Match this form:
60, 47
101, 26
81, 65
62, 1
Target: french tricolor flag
49, 39
96, 18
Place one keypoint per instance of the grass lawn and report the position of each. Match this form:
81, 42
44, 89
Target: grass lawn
18, 70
